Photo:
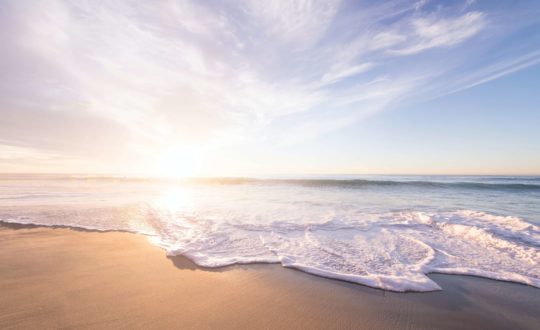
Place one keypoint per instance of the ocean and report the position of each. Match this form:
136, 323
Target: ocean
386, 232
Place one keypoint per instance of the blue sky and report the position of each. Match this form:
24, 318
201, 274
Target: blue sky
270, 87
491, 129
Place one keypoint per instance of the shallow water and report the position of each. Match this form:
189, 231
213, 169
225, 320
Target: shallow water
382, 231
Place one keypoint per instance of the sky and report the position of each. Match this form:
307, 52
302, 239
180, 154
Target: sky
247, 88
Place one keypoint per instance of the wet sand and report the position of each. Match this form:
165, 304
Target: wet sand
60, 277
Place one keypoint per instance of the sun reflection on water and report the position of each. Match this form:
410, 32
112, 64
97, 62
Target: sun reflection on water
174, 199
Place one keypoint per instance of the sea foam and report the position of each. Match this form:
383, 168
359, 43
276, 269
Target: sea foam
359, 235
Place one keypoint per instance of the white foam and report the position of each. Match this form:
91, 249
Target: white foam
394, 252
323, 231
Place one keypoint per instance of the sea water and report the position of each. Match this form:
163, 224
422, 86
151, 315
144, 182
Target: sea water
386, 232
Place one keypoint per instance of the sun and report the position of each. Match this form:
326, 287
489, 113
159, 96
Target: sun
178, 162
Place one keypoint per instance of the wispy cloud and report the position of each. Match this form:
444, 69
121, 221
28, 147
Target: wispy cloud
339, 72
494, 71
299, 24
144, 75
432, 32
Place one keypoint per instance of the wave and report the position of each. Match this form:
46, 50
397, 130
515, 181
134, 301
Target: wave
359, 183
388, 250
516, 183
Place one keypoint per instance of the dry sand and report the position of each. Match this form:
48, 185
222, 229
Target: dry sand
65, 278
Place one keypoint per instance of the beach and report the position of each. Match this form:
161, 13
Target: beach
72, 278
282, 164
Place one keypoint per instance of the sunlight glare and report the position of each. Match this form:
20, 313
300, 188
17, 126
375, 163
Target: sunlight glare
173, 200
178, 162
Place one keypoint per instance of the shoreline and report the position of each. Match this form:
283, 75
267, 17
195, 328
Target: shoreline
16, 225
70, 277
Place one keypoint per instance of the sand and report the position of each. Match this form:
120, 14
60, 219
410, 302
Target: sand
66, 278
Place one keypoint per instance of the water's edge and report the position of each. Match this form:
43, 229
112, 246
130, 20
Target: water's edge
16, 225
